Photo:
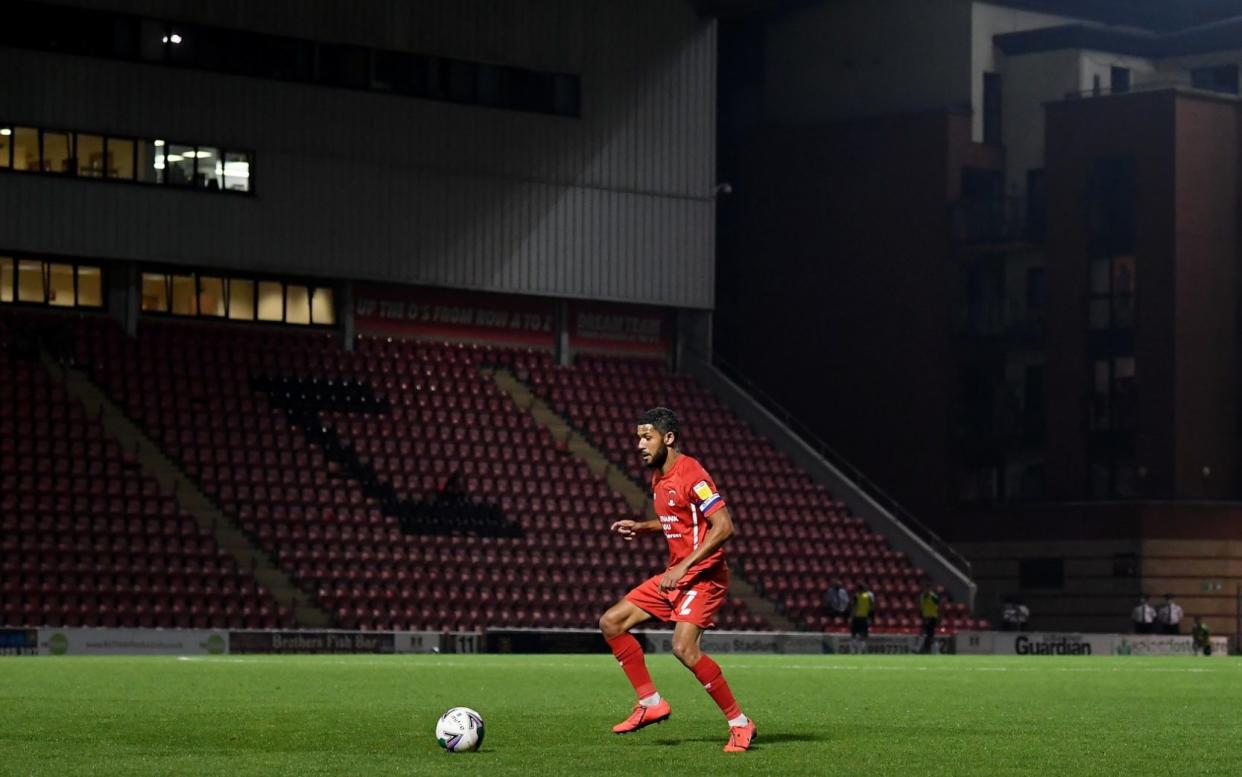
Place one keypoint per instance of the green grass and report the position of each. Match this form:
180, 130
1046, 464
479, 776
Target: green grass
550, 715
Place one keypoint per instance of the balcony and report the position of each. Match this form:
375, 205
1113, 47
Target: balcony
997, 221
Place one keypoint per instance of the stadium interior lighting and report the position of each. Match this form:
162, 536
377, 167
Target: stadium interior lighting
5, 131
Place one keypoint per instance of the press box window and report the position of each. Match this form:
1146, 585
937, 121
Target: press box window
90, 287
241, 300
25, 148
120, 158
297, 305
179, 165
30, 286
236, 171
184, 296
211, 300
323, 311
6, 279
210, 167
154, 293
92, 161
271, 301
60, 289
56, 155
151, 162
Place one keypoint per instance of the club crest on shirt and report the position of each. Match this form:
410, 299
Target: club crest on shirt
672, 497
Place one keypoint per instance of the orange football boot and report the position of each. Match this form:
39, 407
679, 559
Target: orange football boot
644, 716
740, 737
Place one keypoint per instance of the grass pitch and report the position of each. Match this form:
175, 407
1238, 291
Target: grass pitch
550, 715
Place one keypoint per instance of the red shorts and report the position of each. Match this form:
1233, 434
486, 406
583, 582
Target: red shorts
696, 603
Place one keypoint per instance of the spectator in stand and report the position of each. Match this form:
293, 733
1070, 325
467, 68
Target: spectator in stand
836, 600
1170, 616
1015, 615
1202, 637
1144, 617
862, 611
1024, 615
929, 607
1009, 615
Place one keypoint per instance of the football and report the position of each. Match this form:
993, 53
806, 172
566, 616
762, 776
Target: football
460, 730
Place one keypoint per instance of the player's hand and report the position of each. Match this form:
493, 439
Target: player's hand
672, 577
625, 528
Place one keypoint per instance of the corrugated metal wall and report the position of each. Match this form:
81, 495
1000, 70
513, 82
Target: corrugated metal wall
615, 205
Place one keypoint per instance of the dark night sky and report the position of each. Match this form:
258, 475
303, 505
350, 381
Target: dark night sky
1159, 15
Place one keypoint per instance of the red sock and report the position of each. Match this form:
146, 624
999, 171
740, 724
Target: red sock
708, 672
629, 655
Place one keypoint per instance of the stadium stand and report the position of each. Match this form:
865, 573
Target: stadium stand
794, 537
336, 463
86, 538
395, 485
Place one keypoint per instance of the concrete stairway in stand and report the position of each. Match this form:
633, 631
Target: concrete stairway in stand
638, 499
208, 516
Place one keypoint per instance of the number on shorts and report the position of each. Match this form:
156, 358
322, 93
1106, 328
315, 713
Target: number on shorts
685, 603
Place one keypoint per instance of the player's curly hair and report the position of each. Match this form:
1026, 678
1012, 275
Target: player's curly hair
664, 421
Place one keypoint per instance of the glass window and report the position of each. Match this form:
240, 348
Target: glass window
184, 296
460, 80
297, 305
152, 40
211, 296
90, 287
1123, 276
322, 309
179, 164
91, 160
60, 285
490, 85
120, 159
6, 279
271, 301
241, 300
56, 157
1101, 317
181, 44
344, 65
25, 148
237, 171
30, 282
210, 167
151, 161
155, 292
6, 146
567, 95
1099, 277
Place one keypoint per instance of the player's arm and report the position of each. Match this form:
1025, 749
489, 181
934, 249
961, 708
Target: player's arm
629, 529
719, 530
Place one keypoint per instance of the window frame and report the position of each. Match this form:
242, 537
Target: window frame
137, 141
227, 277
46, 261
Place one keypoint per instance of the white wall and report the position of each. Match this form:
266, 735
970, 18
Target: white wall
867, 57
614, 205
1030, 80
988, 21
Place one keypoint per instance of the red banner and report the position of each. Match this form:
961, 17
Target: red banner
631, 329
454, 315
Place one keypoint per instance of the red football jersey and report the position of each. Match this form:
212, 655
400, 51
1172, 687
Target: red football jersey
683, 498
